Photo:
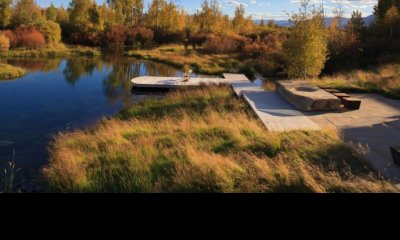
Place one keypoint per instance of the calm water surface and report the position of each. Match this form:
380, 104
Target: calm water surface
63, 94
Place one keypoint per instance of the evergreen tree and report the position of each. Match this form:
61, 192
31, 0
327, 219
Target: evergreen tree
262, 22
356, 24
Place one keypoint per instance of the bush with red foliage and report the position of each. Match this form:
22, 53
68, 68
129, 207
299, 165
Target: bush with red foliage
221, 44
114, 36
265, 55
28, 37
140, 34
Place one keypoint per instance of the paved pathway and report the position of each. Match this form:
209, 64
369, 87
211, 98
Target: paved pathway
272, 109
372, 130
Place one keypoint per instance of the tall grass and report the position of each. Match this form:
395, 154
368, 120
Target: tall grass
203, 140
9, 175
8, 72
384, 80
51, 51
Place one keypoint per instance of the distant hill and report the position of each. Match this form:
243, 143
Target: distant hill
343, 22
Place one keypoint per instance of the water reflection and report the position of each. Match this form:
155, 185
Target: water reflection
41, 65
63, 94
78, 67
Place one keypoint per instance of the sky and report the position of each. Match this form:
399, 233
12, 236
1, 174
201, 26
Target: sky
267, 9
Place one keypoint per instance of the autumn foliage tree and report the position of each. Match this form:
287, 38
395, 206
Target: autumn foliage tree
306, 47
26, 12
5, 13
50, 30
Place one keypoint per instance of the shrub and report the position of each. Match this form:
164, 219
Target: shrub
50, 30
114, 36
165, 37
11, 37
29, 37
141, 35
256, 49
220, 44
266, 56
4, 43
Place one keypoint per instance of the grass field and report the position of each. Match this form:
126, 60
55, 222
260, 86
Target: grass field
51, 51
202, 140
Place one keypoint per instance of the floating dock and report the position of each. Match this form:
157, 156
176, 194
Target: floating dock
176, 82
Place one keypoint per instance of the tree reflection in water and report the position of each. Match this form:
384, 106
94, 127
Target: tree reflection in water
76, 68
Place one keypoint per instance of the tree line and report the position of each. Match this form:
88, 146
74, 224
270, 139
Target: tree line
304, 49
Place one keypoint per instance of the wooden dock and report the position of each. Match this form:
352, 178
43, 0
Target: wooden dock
175, 82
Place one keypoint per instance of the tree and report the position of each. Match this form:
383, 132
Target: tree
153, 17
128, 12
50, 30
5, 13
62, 16
239, 19
383, 6
85, 22
51, 13
392, 20
306, 47
262, 22
356, 24
210, 18
271, 23
79, 11
26, 12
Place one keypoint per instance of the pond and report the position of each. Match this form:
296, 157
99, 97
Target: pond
62, 94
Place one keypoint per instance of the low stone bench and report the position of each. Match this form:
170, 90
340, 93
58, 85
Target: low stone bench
351, 103
307, 97
396, 154
331, 90
341, 95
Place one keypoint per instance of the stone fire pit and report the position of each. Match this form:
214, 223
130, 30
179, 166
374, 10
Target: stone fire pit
307, 97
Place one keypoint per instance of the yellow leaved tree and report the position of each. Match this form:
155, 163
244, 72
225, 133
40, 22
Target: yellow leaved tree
306, 47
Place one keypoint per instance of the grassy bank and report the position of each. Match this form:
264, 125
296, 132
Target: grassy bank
384, 80
177, 56
52, 52
8, 72
202, 141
